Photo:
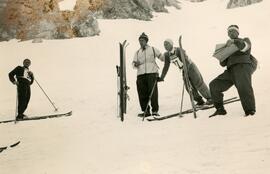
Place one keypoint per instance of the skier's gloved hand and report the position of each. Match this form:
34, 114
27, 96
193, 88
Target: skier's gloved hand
15, 82
160, 79
229, 42
224, 63
136, 63
30, 73
240, 43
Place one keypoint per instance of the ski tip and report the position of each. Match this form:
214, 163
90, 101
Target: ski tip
180, 40
69, 113
2, 149
15, 144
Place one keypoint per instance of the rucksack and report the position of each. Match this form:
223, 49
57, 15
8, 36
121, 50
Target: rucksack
254, 62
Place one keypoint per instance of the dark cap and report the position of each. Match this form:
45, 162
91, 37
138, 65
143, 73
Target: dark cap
27, 60
144, 36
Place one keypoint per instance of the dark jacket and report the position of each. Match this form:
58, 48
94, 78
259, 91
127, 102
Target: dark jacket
239, 56
22, 75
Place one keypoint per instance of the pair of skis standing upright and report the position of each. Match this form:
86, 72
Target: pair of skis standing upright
122, 87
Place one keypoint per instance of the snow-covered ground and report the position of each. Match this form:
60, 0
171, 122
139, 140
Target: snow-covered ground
67, 4
80, 75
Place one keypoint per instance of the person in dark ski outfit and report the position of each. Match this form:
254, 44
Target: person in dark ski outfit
239, 73
147, 72
196, 80
23, 78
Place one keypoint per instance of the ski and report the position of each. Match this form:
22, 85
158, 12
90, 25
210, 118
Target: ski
186, 78
10, 146
39, 117
205, 107
122, 87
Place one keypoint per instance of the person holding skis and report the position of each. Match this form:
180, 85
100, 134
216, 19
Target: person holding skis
239, 72
23, 78
198, 85
147, 72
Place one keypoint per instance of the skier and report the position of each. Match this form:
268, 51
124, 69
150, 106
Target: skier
195, 77
147, 72
239, 71
23, 78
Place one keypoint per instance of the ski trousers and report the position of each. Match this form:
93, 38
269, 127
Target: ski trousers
24, 94
197, 83
239, 75
145, 84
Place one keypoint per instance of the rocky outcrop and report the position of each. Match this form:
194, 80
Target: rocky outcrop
197, 0
42, 19
241, 3
86, 25
3, 33
173, 3
137, 9
123, 9
89, 5
22, 18
3, 4
30, 19
159, 5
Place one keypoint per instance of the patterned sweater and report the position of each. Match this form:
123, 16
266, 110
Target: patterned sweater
22, 74
174, 56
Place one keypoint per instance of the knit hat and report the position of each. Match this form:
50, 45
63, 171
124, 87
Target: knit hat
233, 27
144, 36
27, 60
169, 41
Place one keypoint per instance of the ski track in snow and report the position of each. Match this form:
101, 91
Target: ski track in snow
80, 75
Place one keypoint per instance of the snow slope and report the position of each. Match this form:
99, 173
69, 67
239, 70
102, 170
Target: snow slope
80, 75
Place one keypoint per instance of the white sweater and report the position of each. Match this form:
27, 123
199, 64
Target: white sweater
147, 60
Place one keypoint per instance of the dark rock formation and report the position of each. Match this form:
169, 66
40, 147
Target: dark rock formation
30, 19
241, 3
42, 19
197, 0
123, 9
137, 9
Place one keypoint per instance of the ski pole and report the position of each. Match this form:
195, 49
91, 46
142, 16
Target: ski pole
16, 109
177, 63
149, 100
182, 99
55, 108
